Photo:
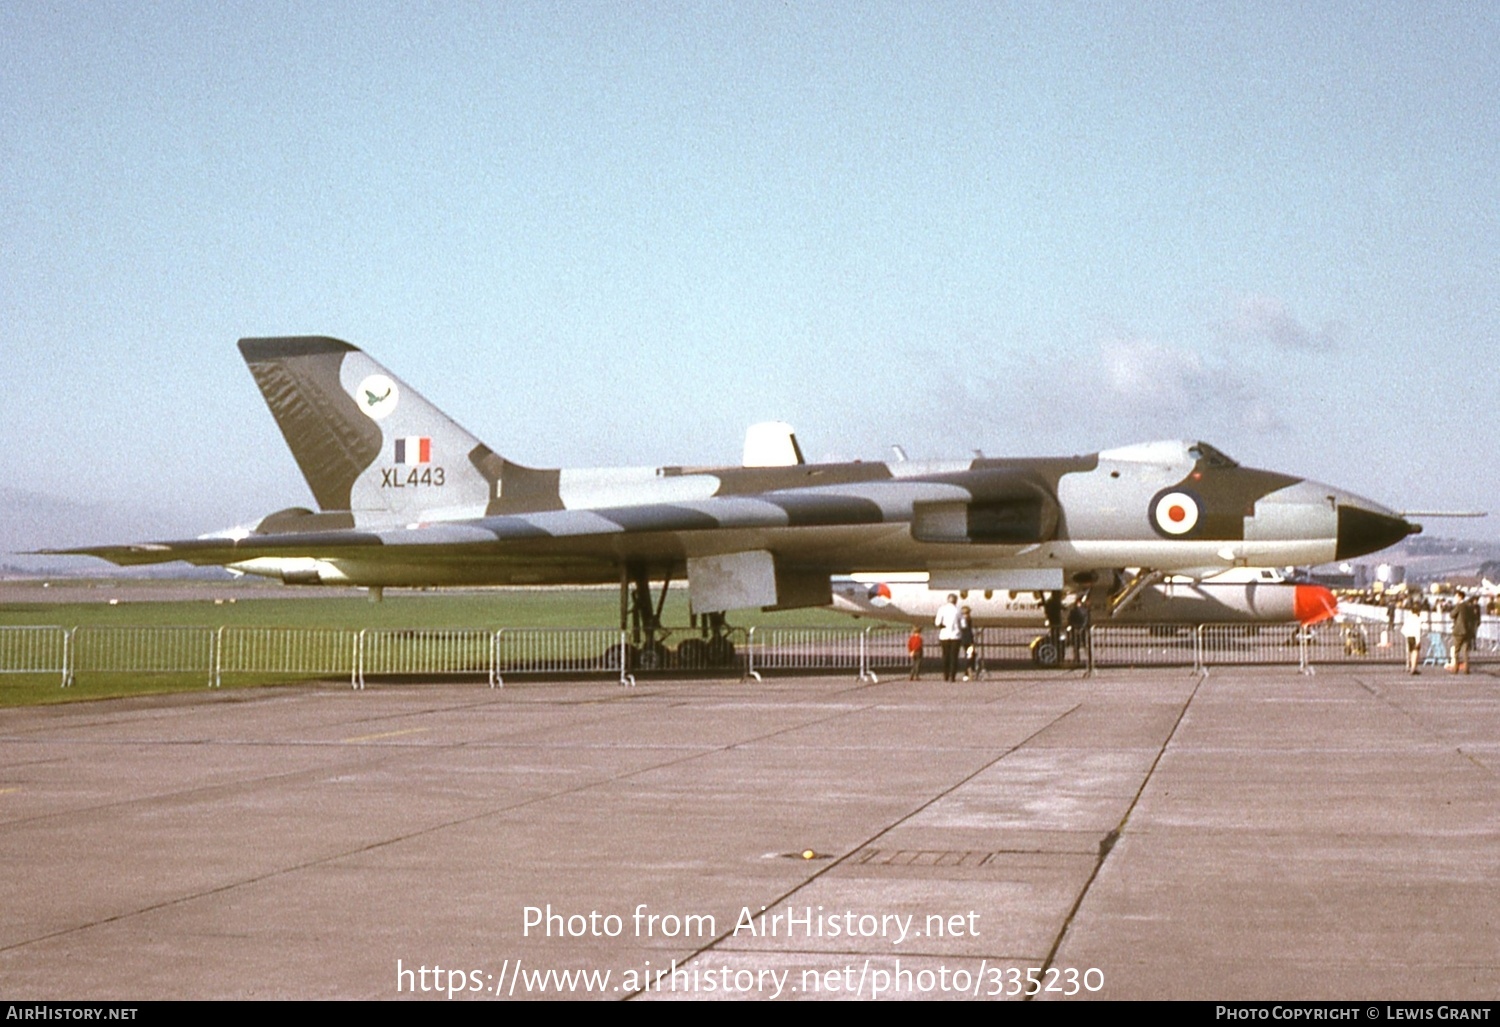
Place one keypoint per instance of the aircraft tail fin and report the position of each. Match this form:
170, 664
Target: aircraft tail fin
364, 440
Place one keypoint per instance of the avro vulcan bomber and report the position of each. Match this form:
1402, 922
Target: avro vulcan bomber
407, 498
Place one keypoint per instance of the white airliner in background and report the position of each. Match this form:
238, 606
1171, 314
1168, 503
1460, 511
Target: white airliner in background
1241, 595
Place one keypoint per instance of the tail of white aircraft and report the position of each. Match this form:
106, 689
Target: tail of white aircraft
366, 441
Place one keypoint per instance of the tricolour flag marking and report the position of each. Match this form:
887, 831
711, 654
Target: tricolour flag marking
414, 449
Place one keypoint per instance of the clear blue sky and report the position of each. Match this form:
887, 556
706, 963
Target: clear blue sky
618, 233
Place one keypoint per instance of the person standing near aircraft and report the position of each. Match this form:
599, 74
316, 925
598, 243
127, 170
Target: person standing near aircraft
948, 636
1411, 630
1078, 627
914, 650
1465, 630
966, 643
1052, 606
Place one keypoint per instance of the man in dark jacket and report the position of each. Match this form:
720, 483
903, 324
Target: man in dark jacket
1079, 620
1465, 630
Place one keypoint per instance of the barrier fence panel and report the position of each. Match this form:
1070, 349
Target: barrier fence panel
992, 645
292, 652
863, 650
1378, 639
800, 649
99, 649
34, 650
562, 651
1487, 644
1143, 646
1009, 645
1374, 630
427, 652
1353, 641
1225, 644
1380, 633
885, 650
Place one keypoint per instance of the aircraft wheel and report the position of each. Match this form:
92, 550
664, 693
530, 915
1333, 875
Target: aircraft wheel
631, 655
652, 657
1045, 652
693, 654
720, 652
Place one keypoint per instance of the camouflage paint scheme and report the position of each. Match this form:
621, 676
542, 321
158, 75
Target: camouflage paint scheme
409, 498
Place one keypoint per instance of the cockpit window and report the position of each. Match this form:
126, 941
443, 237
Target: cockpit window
1211, 456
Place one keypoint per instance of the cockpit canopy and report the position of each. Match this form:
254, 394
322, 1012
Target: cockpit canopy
1170, 451
1211, 456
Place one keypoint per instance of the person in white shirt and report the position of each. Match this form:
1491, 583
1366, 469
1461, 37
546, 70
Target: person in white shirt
948, 636
1411, 630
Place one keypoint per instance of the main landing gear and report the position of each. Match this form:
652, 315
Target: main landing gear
648, 648
1123, 586
1047, 651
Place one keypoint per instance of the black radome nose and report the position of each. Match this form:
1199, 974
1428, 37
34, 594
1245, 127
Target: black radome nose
1364, 531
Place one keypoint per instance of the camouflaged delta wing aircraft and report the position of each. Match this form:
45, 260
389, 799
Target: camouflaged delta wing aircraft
406, 497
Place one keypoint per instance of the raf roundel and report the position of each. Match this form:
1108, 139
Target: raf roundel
1176, 512
377, 396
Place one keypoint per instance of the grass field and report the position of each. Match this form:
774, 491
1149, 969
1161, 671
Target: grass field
165, 604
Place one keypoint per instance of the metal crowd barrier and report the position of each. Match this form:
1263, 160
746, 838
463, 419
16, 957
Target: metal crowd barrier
1008, 645
292, 652
35, 650
119, 649
1382, 634
271, 653
1225, 644
427, 652
1143, 646
561, 651
864, 650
